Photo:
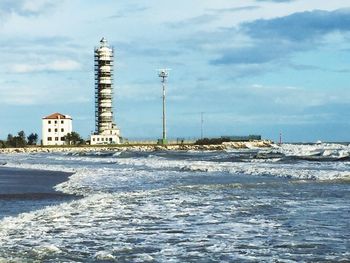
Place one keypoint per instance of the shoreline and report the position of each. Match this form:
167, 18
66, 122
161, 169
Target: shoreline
16, 181
143, 148
24, 190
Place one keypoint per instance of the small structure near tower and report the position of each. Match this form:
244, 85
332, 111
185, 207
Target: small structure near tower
55, 127
106, 131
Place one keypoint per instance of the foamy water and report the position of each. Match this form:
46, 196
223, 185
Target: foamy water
288, 204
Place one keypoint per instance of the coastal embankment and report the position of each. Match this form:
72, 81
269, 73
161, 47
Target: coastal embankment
143, 147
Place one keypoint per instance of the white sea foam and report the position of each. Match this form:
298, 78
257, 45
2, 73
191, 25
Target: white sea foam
104, 255
157, 225
46, 249
327, 171
95, 174
140, 223
325, 149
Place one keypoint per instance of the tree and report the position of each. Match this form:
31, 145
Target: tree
22, 135
32, 139
73, 138
9, 141
20, 140
16, 141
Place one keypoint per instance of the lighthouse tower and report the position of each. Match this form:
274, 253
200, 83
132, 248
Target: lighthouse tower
106, 131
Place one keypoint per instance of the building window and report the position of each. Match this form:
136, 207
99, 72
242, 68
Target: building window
49, 138
62, 139
55, 122
93, 139
62, 130
98, 139
56, 138
62, 122
49, 130
56, 130
49, 122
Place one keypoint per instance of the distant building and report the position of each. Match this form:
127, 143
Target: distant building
55, 127
241, 138
106, 131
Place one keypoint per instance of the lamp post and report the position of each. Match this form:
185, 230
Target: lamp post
163, 74
202, 121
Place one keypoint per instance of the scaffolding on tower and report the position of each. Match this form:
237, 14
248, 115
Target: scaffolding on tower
104, 122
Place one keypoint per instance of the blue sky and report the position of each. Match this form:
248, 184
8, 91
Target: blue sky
252, 66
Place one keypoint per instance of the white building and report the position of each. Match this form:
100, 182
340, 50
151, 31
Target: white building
55, 127
107, 131
105, 138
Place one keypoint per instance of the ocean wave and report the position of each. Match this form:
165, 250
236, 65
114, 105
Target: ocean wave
110, 172
326, 149
326, 171
134, 226
173, 207
43, 166
183, 224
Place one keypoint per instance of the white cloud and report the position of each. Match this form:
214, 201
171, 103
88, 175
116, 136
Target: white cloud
36, 6
21, 95
57, 65
25, 7
297, 98
31, 94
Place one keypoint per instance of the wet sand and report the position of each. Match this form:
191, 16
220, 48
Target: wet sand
23, 190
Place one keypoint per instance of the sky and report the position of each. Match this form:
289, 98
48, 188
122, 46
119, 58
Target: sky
252, 67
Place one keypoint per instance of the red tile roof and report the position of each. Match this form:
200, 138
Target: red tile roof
57, 116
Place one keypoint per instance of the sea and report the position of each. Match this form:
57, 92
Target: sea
287, 203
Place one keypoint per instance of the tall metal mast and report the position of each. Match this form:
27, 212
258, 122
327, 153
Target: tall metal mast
280, 142
202, 121
163, 74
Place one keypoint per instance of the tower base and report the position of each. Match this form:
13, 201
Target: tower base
110, 136
162, 141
